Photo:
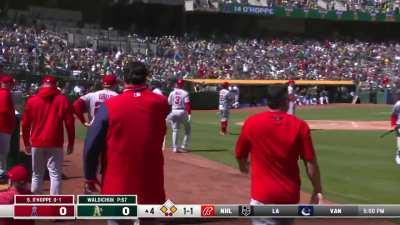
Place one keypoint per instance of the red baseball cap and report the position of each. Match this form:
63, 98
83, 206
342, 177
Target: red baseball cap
49, 79
18, 173
225, 84
180, 83
5, 78
109, 80
291, 81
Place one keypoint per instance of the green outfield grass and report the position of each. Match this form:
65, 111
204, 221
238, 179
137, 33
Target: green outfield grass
343, 112
356, 166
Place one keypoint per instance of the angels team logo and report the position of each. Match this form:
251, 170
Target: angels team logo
207, 210
34, 211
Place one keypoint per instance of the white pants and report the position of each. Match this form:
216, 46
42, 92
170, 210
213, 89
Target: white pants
398, 144
323, 100
178, 117
398, 138
5, 140
52, 158
292, 108
269, 221
224, 115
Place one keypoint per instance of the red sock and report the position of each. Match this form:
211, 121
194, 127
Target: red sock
224, 126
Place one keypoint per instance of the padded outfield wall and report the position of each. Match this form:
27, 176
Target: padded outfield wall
253, 92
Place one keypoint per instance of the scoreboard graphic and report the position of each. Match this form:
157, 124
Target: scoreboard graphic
44, 207
88, 207
107, 207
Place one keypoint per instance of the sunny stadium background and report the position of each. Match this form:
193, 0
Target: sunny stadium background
346, 50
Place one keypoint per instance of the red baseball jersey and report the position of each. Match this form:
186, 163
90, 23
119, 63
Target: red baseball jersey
7, 112
44, 117
129, 130
275, 141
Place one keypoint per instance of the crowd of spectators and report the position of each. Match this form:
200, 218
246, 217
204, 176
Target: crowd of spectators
39, 51
371, 6
213, 4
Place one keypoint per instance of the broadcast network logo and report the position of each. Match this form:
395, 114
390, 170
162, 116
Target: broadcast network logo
207, 210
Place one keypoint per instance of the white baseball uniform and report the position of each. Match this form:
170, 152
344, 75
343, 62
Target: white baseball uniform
323, 99
395, 121
94, 100
225, 102
158, 91
396, 114
178, 99
292, 100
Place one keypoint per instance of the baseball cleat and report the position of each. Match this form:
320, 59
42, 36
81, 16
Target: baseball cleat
184, 149
397, 159
175, 150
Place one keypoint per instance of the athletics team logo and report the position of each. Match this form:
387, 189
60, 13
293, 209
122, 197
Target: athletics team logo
97, 211
207, 210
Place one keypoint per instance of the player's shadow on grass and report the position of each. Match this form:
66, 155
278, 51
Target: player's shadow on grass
316, 130
209, 150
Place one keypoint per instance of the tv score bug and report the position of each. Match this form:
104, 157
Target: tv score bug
44, 207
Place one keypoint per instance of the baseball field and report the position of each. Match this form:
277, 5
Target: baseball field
357, 166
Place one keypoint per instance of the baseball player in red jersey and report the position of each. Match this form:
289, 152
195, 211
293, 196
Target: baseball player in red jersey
226, 99
129, 130
7, 119
395, 123
179, 101
275, 141
92, 101
45, 115
292, 98
18, 177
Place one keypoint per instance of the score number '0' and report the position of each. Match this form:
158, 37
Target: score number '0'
62, 211
126, 211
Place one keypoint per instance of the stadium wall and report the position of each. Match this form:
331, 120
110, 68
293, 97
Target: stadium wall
253, 92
